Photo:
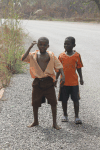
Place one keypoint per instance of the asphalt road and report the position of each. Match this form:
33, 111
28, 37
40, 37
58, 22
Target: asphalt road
70, 137
87, 37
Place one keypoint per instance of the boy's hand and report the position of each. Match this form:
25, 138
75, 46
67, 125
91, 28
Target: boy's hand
62, 81
27, 52
81, 81
33, 43
55, 83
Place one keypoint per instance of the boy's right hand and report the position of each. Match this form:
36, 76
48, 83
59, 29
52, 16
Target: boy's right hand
33, 43
81, 81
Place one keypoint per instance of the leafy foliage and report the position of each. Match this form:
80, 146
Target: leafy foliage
56, 8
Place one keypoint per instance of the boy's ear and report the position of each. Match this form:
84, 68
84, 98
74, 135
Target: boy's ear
74, 45
48, 45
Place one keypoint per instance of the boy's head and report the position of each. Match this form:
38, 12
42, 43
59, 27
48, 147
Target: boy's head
69, 43
43, 44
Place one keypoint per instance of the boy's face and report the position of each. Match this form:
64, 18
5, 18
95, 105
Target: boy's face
68, 45
42, 45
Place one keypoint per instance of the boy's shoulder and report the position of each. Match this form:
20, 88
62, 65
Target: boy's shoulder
76, 52
36, 51
62, 54
33, 53
50, 52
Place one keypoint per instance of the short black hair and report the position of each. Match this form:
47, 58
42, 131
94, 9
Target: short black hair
72, 39
44, 38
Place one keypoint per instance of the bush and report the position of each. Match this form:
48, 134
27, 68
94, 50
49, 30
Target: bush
11, 39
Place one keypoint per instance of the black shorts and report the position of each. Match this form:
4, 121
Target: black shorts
67, 91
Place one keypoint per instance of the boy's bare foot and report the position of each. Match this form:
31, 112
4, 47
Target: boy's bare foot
56, 127
33, 124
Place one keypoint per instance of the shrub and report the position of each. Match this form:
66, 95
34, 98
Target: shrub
11, 49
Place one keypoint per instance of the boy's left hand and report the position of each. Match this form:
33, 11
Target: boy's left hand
62, 81
55, 83
81, 81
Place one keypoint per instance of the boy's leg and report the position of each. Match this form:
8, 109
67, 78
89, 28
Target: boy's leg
63, 97
35, 113
75, 98
54, 115
65, 115
50, 94
36, 101
76, 109
64, 107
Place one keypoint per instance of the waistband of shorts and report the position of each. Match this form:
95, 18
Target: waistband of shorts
42, 79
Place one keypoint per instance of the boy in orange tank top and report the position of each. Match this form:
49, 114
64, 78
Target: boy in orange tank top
71, 61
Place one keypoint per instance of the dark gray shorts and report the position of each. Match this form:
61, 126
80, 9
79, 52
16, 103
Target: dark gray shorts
67, 91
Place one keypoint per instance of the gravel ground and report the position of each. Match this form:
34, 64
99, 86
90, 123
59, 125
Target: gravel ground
16, 114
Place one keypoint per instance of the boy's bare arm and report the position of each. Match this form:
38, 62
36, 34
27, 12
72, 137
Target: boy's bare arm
62, 81
79, 70
62, 73
57, 76
27, 52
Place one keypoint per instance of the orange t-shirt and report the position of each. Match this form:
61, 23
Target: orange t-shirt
70, 64
35, 70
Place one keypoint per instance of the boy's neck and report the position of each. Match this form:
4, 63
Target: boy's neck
70, 53
42, 53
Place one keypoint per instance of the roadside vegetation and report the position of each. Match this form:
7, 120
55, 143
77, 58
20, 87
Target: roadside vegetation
68, 10
11, 46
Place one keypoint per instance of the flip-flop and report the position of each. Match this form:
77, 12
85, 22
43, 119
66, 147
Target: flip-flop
64, 119
78, 121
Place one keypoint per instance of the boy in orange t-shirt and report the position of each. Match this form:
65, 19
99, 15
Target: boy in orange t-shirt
71, 61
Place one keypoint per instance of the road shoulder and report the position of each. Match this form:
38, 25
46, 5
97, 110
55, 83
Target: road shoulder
1, 92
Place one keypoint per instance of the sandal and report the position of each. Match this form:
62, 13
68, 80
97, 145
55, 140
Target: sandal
64, 119
78, 121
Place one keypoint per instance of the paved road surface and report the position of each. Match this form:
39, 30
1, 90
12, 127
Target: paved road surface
16, 112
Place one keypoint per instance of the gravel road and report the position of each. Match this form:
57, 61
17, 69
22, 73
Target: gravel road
16, 114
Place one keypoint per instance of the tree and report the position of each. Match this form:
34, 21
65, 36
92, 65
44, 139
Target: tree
98, 3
